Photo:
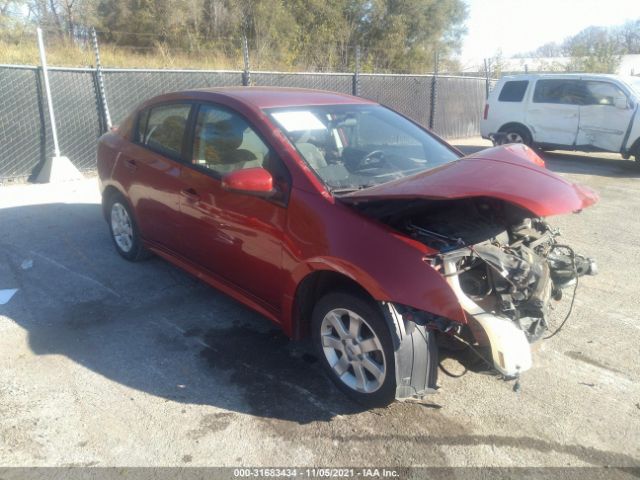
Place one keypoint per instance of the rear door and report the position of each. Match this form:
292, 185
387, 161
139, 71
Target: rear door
152, 167
553, 113
605, 116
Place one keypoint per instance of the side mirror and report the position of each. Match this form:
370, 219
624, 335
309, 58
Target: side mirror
620, 102
250, 181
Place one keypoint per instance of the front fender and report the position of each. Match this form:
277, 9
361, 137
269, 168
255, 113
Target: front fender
404, 279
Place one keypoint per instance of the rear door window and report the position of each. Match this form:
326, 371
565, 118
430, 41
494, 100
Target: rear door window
164, 128
568, 92
513, 91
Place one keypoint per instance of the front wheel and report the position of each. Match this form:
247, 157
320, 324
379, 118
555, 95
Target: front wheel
354, 345
516, 134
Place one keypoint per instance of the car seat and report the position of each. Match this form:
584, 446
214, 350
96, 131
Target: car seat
217, 146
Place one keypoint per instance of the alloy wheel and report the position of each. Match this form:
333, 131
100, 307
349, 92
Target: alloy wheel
353, 350
513, 137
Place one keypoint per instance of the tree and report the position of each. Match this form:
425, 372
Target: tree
399, 36
404, 36
595, 50
628, 36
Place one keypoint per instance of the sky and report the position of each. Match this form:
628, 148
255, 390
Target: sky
516, 26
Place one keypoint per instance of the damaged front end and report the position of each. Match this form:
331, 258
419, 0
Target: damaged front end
505, 268
504, 264
482, 220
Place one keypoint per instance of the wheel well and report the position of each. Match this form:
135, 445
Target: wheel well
311, 289
506, 126
106, 195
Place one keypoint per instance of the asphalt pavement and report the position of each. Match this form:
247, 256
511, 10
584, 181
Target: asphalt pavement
110, 363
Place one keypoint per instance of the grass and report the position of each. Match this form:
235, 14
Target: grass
68, 54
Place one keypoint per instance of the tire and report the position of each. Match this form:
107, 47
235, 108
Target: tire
516, 134
124, 230
354, 345
636, 155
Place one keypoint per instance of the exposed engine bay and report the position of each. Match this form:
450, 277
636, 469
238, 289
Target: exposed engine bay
504, 266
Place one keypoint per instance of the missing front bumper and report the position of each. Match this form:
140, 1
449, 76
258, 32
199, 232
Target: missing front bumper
510, 349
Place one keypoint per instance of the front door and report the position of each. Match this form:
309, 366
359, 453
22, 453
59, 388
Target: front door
554, 110
235, 236
605, 116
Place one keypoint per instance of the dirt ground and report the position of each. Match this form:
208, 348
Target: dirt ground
108, 363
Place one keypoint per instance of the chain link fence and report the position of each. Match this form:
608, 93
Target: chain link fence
126, 88
408, 94
25, 133
22, 122
455, 96
334, 82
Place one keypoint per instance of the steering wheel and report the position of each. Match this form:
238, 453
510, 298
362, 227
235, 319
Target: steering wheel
371, 157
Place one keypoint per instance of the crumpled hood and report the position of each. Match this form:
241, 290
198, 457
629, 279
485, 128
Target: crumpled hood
507, 173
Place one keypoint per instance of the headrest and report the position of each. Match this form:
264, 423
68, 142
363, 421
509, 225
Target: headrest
224, 135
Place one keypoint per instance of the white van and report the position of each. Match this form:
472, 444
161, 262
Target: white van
586, 112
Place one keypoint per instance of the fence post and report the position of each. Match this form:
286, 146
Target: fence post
57, 168
434, 90
101, 90
356, 74
246, 74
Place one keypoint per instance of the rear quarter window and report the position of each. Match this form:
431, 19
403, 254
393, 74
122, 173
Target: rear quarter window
513, 91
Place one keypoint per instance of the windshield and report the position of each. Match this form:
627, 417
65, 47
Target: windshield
635, 84
357, 146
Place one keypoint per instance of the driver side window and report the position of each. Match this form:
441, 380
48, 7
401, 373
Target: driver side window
602, 93
224, 142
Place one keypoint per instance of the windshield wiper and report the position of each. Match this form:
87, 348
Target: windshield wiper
348, 189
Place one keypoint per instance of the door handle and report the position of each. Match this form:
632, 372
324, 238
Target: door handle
130, 164
190, 194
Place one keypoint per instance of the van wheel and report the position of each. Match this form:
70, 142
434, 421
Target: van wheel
123, 228
516, 134
637, 157
354, 345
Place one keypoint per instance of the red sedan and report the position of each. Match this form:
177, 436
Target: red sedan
338, 218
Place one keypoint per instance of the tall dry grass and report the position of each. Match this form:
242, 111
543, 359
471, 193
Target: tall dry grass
69, 54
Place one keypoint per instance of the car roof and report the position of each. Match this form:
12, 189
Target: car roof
268, 97
561, 75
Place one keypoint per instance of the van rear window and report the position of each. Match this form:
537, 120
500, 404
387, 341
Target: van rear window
513, 91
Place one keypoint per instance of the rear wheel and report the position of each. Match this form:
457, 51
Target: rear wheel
354, 345
516, 134
123, 228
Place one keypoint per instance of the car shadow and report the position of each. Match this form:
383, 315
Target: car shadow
577, 163
148, 325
